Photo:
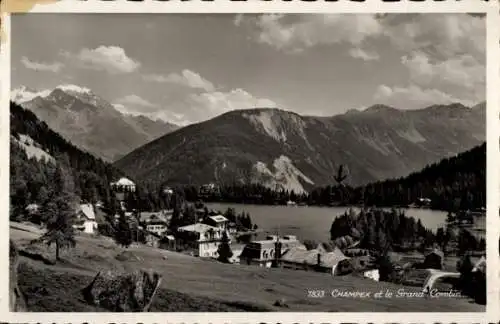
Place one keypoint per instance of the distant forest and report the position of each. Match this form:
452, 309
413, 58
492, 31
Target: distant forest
391, 230
455, 183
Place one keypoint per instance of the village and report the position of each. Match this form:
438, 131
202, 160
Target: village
212, 236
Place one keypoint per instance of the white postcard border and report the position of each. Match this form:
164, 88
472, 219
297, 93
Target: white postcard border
493, 157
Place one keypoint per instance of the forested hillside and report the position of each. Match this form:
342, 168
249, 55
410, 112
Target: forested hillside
31, 178
454, 183
457, 182
284, 150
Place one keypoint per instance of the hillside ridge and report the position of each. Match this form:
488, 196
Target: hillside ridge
373, 145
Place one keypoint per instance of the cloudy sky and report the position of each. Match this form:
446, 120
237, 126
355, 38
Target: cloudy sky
188, 68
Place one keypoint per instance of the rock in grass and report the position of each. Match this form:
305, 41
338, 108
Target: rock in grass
123, 292
127, 256
38, 251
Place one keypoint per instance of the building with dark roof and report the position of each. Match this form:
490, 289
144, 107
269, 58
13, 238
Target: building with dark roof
434, 259
263, 252
334, 262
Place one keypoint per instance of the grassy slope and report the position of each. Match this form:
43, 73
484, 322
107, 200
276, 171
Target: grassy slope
191, 284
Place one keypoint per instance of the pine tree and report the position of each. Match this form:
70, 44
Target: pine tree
175, 221
248, 221
340, 178
381, 239
371, 237
59, 211
224, 250
123, 234
465, 269
385, 267
440, 237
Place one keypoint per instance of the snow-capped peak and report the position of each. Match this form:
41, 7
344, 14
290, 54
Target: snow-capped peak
73, 88
84, 94
23, 94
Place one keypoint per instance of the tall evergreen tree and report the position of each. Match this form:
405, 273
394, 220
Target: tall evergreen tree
465, 268
175, 221
340, 178
123, 234
224, 249
385, 267
59, 211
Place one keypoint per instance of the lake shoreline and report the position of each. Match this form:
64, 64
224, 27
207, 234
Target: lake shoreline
397, 207
312, 222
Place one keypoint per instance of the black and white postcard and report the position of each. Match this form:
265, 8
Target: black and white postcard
250, 161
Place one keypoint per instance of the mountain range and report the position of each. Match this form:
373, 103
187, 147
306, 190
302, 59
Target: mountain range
282, 149
89, 121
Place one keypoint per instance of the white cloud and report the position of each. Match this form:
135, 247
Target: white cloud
200, 101
445, 58
41, 66
441, 35
120, 107
463, 74
188, 78
172, 117
152, 111
215, 103
444, 54
133, 100
111, 59
444, 35
357, 52
414, 97
311, 30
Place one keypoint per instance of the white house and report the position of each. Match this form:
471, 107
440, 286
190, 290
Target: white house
86, 220
154, 222
218, 221
157, 228
372, 274
124, 184
208, 238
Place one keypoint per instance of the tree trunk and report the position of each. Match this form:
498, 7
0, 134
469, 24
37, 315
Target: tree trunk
57, 251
